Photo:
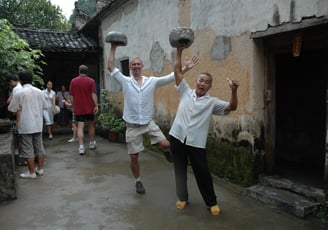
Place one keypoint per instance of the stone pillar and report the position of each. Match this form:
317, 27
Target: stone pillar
7, 166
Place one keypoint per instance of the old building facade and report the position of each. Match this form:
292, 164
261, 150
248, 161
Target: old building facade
275, 49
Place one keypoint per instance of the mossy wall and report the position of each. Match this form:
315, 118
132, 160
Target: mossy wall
234, 163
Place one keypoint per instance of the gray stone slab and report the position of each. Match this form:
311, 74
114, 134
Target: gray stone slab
284, 200
310, 192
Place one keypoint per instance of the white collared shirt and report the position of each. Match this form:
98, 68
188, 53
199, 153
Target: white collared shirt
31, 102
192, 121
17, 87
138, 101
48, 96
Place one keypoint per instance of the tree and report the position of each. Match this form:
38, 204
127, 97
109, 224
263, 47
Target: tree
16, 55
38, 14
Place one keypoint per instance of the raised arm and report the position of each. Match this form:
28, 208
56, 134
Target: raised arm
233, 100
178, 66
111, 57
179, 71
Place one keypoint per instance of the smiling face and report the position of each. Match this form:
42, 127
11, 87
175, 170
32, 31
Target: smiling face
203, 84
136, 67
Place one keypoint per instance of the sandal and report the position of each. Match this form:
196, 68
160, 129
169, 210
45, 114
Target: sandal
215, 210
181, 204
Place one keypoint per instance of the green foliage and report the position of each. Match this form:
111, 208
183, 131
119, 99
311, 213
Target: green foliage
38, 14
111, 122
108, 103
16, 55
231, 162
322, 212
108, 115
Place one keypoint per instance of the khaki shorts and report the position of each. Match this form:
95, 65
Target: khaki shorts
134, 136
31, 144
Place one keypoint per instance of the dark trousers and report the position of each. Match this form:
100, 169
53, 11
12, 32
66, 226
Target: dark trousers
62, 118
198, 160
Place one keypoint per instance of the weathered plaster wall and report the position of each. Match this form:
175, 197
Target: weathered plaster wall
222, 29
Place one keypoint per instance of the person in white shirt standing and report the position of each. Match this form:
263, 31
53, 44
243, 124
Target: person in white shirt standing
138, 92
13, 82
189, 131
49, 114
30, 101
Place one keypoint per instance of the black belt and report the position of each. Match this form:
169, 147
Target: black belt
133, 125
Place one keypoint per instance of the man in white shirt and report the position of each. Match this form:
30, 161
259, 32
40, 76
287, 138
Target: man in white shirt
138, 92
189, 131
31, 103
14, 83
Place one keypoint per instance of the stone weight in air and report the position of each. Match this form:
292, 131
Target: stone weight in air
181, 37
116, 37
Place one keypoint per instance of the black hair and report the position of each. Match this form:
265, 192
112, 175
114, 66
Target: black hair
26, 77
12, 77
83, 69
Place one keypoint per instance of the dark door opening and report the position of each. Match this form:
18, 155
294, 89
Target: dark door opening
301, 84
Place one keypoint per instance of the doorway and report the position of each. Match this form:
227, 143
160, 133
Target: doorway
301, 85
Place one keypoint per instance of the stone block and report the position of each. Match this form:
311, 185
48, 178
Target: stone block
181, 37
117, 38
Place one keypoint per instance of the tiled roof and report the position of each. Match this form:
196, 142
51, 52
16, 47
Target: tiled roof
57, 41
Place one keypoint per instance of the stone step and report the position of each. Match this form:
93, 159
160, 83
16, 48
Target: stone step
312, 193
283, 200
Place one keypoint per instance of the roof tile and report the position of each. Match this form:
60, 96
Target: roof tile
56, 40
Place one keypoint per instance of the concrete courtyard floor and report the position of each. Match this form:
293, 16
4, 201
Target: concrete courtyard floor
96, 191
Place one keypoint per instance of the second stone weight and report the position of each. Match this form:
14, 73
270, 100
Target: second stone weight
117, 38
181, 37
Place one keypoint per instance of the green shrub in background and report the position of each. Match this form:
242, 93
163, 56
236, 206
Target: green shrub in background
109, 114
322, 211
231, 162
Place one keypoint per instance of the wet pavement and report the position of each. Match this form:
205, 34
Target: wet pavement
96, 191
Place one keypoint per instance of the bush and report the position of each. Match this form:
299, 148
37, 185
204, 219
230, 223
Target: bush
111, 122
231, 162
108, 116
322, 211
16, 55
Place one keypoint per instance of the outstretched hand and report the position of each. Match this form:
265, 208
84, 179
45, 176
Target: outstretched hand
190, 63
233, 84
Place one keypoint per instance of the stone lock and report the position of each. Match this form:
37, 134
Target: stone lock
116, 37
181, 37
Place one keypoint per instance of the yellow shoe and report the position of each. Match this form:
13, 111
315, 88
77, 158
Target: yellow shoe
181, 204
215, 210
